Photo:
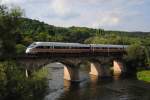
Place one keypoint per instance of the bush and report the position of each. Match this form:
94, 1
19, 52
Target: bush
20, 49
15, 86
144, 75
136, 57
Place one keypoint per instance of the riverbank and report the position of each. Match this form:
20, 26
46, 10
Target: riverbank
144, 75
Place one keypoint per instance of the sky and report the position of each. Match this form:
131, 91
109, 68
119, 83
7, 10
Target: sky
127, 15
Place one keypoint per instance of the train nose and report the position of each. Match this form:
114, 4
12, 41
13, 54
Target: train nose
28, 50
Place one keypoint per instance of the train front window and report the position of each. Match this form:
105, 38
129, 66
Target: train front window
32, 45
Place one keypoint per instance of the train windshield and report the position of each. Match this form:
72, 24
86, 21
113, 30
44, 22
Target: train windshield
32, 45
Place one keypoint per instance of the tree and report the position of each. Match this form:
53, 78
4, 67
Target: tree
9, 24
147, 52
20, 48
42, 36
136, 57
27, 40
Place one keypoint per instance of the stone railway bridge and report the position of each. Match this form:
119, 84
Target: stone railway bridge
72, 62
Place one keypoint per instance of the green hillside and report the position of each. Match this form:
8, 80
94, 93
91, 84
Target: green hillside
34, 30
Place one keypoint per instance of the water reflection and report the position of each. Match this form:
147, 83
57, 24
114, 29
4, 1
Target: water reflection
117, 76
67, 85
72, 92
94, 79
93, 83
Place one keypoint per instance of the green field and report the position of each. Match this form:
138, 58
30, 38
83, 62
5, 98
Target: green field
144, 75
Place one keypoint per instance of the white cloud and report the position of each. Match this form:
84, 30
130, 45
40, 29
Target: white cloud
11, 1
137, 2
4, 1
109, 20
61, 7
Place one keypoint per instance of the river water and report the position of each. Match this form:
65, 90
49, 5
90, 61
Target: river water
94, 88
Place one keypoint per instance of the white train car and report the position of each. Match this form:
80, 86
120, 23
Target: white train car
57, 47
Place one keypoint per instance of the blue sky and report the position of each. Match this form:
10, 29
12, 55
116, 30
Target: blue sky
128, 15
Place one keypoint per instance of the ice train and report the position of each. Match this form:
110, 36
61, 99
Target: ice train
61, 47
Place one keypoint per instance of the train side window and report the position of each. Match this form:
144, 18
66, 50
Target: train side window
85, 47
49, 47
58, 47
104, 48
66, 47
45, 47
39, 47
73, 47
55, 47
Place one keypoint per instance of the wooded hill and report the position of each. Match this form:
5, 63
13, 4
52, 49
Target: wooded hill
34, 30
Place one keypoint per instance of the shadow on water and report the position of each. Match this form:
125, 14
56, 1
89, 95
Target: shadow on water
95, 88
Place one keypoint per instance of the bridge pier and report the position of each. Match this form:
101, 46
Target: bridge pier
71, 73
95, 69
118, 67
26, 73
98, 70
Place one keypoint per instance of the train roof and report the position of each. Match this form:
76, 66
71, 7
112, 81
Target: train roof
109, 45
77, 44
60, 44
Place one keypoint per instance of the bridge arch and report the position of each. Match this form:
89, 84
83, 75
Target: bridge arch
98, 68
71, 66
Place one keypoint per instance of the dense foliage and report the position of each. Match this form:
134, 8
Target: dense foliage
136, 57
15, 86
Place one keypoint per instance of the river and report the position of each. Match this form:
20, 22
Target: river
93, 88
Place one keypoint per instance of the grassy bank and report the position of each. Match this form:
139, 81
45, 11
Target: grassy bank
41, 73
144, 75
